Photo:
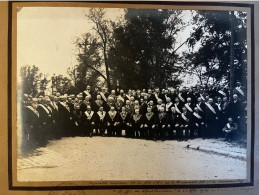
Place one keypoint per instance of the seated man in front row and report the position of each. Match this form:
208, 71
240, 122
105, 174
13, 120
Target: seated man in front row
230, 130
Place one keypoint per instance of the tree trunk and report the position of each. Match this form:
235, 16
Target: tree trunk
232, 56
107, 69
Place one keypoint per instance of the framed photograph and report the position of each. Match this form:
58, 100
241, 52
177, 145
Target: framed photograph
131, 95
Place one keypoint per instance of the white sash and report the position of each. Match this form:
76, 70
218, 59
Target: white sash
167, 106
188, 107
111, 115
240, 91
197, 115
156, 96
198, 106
54, 105
49, 108
120, 98
222, 93
180, 97
98, 102
33, 110
65, 106
228, 126
225, 105
184, 117
101, 115
87, 93
149, 117
177, 109
159, 107
136, 117
46, 110
128, 97
202, 97
123, 117
103, 96
89, 116
161, 114
218, 106
211, 108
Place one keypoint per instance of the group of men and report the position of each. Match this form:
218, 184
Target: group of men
174, 113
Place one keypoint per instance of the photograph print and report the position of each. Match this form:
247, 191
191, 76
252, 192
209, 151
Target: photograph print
132, 94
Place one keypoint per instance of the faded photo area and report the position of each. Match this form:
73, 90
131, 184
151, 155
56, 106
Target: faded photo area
131, 94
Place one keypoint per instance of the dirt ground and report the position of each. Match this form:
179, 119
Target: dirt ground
110, 158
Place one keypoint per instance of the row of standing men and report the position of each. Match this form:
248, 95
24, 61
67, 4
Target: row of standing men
181, 115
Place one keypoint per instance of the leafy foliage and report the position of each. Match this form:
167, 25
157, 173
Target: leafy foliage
213, 35
143, 54
32, 81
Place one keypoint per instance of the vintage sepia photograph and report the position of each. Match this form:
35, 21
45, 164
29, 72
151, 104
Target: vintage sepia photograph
132, 94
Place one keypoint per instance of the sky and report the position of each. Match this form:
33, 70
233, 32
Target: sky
46, 35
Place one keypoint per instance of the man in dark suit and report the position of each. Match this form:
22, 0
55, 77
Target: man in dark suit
184, 124
137, 124
77, 121
189, 105
169, 104
162, 124
211, 118
45, 120
124, 123
240, 92
230, 130
197, 124
174, 124
97, 103
30, 125
101, 121
237, 111
64, 117
200, 105
149, 121
104, 95
89, 121
87, 92
225, 110
112, 121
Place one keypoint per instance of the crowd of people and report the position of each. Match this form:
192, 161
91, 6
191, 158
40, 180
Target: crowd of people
155, 114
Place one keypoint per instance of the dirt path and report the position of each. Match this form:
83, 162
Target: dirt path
102, 158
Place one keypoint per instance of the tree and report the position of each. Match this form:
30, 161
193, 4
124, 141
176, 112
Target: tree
30, 79
144, 53
89, 68
43, 83
103, 32
61, 84
213, 37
